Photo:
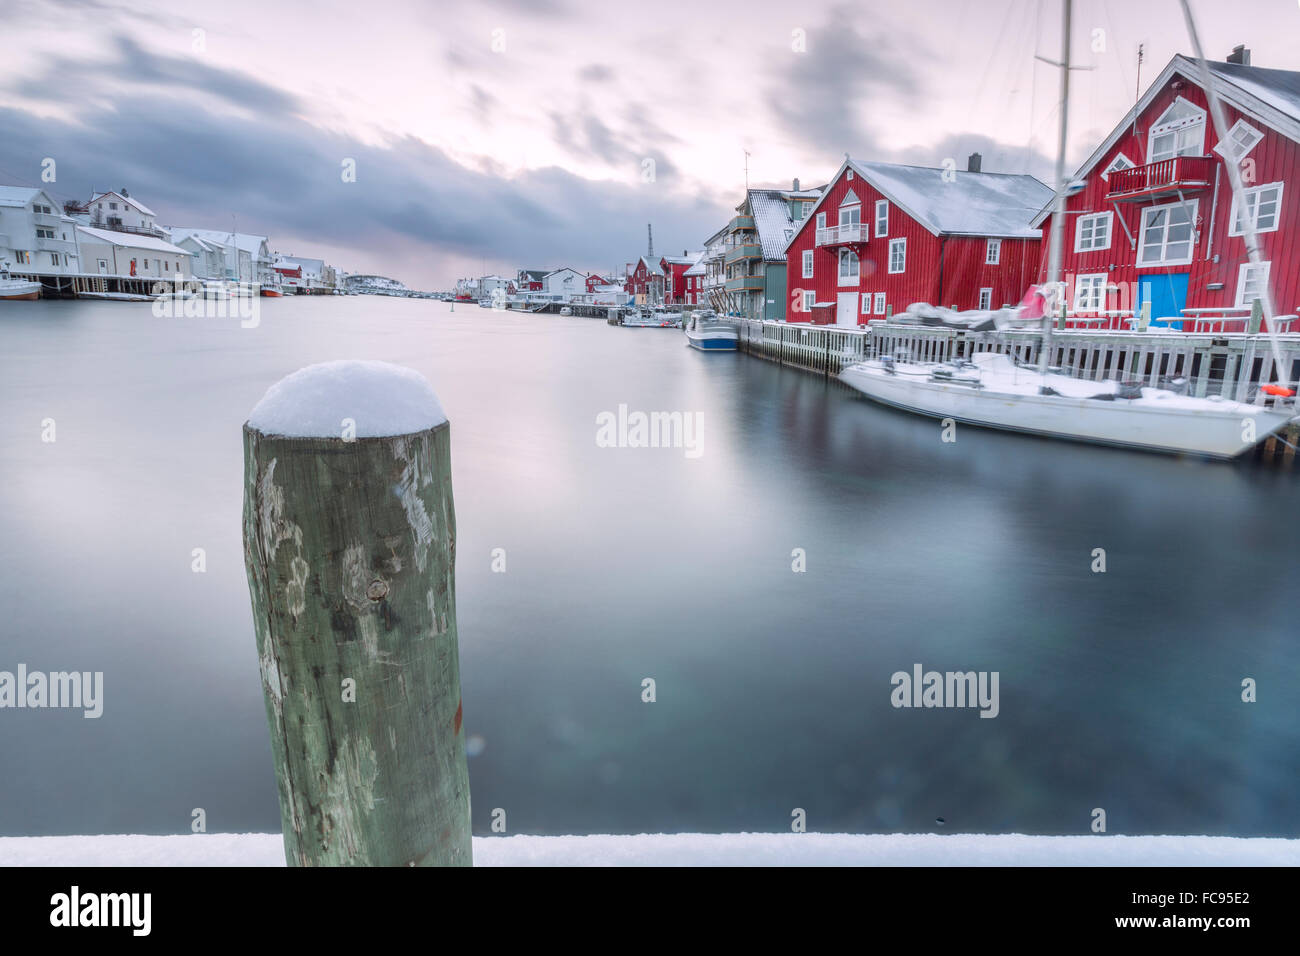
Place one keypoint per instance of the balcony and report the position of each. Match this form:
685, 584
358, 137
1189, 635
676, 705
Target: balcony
851, 233
46, 219
114, 224
744, 250
745, 284
740, 222
57, 245
1181, 173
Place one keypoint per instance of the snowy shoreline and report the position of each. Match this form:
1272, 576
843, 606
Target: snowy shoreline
694, 849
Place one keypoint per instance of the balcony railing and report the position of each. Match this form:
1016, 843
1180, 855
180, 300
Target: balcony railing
56, 245
740, 222
849, 232
745, 284
745, 250
1164, 176
116, 225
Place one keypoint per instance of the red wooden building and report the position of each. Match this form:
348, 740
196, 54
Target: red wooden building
674, 270
646, 278
1156, 220
883, 236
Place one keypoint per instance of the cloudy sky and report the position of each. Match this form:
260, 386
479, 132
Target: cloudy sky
504, 134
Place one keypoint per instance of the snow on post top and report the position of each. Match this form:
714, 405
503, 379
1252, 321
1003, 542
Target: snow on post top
382, 400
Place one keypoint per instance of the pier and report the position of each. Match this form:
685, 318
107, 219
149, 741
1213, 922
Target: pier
1230, 364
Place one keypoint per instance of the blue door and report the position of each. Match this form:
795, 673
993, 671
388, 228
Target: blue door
1167, 295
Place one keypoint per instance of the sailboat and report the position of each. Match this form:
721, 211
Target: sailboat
992, 390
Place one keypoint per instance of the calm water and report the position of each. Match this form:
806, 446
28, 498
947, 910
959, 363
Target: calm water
1118, 690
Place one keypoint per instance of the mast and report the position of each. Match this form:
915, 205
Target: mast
1058, 209
1253, 252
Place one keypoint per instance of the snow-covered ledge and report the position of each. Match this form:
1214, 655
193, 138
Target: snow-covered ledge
693, 849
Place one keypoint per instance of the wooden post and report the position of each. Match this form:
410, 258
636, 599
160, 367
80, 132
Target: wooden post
1256, 316
349, 544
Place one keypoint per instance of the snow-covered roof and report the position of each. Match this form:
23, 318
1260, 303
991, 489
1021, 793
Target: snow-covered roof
652, 267
565, 269
970, 204
1280, 89
141, 207
698, 268
300, 261
689, 259
132, 240
17, 195
244, 241
771, 212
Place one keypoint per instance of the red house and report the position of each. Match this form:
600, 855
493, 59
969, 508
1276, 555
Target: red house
674, 270
1156, 220
647, 278
883, 236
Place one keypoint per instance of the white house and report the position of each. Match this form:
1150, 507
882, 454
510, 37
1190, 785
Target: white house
118, 212
109, 252
247, 258
487, 285
35, 236
210, 258
314, 275
564, 282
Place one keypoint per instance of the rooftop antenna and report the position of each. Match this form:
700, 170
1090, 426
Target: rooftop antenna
1137, 91
650, 242
747, 172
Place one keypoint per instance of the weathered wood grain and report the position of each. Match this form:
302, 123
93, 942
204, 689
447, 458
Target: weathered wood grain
350, 551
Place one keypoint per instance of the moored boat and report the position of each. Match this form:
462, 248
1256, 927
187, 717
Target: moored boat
993, 392
18, 289
705, 331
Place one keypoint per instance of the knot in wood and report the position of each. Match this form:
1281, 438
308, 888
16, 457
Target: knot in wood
377, 590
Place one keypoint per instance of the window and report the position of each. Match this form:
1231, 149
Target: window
849, 267
1180, 131
1119, 162
1167, 234
1090, 292
1092, 232
882, 217
897, 255
807, 208
986, 298
850, 210
146, 264
167, 266
44, 233
821, 221
866, 303
23, 258
809, 298
850, 175
112, 205
807, 263
1241, 139
879, 307
1252, 281
1263, 205
54, 258
993, 252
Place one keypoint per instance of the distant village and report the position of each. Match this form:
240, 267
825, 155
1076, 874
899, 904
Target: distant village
111, 246
1151, 227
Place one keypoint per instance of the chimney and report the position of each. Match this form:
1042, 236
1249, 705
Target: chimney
1240, 55
796, 184
125, 194
973, 164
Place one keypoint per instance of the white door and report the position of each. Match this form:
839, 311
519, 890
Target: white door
846, 309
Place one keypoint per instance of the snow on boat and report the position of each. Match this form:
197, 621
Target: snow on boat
993, 392
651, 319
706, 332
18, 289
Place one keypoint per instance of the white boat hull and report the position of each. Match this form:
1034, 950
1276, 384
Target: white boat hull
1160, 421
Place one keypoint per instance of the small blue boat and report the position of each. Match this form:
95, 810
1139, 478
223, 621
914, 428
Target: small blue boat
706, 332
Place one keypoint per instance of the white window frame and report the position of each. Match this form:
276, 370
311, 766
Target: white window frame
849, 175
901, 244
1241, 281
882, 214
992, 252
986, 298
807, 263
1090, 291
1078, 231
1255, 191
1176, 126
809, 299
856, 278
866, 303
820, 224
850, 208
1112, 168
1241, 130
1191, 245
878, 305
